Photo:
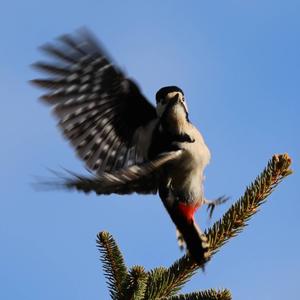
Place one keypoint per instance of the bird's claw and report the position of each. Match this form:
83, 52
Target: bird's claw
211, 205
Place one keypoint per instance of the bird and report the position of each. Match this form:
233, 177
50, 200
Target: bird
127, 144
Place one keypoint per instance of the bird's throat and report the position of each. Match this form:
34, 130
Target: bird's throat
175, 119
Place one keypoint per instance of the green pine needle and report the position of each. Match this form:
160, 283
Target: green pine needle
135, 285
235, 219
171, 280
164, 283
204, 295
114, 267
232, 223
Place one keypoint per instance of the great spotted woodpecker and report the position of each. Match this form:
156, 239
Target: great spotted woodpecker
128, 144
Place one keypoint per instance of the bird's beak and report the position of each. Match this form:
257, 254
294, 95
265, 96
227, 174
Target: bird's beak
185, 107
176, 98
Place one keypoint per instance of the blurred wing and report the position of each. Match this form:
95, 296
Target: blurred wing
141, 179
98, 108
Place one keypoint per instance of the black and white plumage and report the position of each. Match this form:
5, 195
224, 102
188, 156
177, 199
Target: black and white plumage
130, 145
98, 108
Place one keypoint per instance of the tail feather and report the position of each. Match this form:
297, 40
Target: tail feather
182, 216
196, 241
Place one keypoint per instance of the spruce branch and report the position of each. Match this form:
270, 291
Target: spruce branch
134, 286
164, 283
157, 283
169, 281
204, 295
114, 267
235, 219
232, 223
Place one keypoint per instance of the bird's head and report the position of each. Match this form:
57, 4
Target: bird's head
170, 97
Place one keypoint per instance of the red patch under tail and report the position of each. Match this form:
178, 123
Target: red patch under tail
188, 211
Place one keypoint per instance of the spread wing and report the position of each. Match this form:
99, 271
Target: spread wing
141, 179
98, 108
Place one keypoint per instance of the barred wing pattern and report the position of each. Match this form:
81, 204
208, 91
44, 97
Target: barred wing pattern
141, 179
98, 108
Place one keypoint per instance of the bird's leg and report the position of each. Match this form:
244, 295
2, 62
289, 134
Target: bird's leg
211, 204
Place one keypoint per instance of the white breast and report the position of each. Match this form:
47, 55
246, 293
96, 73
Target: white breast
187, 174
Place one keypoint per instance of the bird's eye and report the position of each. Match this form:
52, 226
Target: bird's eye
183, 98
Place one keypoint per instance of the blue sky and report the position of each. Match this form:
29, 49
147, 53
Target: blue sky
238, 63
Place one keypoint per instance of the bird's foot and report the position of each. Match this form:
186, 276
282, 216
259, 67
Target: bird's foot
211, 204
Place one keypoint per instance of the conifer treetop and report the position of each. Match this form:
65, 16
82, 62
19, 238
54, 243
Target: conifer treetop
164, 283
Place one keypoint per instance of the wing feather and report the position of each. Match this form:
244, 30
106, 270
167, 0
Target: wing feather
98, 108
142, 179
